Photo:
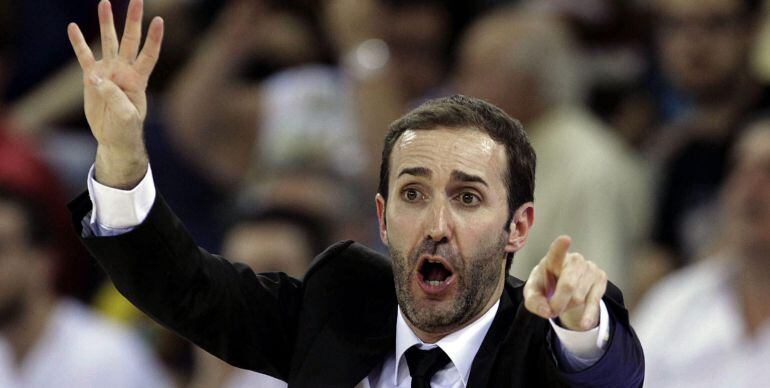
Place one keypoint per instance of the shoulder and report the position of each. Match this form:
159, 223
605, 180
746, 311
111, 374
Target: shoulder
605, 153
350, 270
349, 255
96, 344
348, 290
94, 335
673, 298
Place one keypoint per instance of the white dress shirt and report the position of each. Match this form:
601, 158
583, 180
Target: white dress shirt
82, 349
118, 211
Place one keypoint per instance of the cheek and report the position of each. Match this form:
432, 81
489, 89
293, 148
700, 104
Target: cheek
404, 225
479, 233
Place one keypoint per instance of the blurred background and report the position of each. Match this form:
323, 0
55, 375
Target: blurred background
265, 126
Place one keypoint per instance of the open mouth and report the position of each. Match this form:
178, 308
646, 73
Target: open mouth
434, 274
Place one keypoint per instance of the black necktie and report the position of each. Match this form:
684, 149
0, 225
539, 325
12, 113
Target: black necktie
423, 364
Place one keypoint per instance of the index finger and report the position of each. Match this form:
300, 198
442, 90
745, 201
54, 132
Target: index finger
79, 45
554, 259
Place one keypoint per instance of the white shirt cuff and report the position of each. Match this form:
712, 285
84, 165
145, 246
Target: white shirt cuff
582, 349
115, 209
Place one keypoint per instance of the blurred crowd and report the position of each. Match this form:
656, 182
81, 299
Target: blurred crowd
265, 127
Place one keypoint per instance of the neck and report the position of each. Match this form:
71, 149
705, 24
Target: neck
435, 336
24, 333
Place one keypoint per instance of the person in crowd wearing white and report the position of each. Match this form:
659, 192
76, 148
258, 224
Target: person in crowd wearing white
708, 325
49, 341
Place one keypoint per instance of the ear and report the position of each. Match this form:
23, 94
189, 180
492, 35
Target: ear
523, 219
379, 202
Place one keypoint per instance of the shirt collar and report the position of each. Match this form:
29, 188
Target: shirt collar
461, 346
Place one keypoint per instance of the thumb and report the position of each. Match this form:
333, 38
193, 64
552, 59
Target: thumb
115, 98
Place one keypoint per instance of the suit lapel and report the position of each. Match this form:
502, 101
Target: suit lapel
484, 361
346, 351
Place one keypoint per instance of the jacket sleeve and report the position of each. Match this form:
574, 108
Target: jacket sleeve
247, 319
622, 365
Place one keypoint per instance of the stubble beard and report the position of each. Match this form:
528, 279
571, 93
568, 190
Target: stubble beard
474, 285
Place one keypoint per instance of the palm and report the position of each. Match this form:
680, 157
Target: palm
114, 95
104, 118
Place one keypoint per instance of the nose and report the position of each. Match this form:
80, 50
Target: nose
440, 223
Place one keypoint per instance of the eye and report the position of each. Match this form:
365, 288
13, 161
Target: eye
411, 194
469, 199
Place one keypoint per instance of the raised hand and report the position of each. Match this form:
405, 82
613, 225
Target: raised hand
566, 285
115, 92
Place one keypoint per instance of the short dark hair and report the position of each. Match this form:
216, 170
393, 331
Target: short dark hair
460, 111
314, 227
38, 231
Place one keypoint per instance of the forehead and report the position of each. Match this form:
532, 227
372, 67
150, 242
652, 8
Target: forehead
443, 150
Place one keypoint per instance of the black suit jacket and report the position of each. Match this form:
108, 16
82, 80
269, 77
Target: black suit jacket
335, 326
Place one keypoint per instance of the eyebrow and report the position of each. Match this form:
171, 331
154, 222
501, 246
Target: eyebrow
465, 177
416, 171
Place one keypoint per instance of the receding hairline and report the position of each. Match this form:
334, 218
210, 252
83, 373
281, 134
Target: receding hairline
460, 175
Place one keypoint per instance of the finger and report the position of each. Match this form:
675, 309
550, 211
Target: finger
584, 286
568, 284
590, 316
107, 27
535, 299
132, 33
79, 45
115, 99
151, 50
556, 254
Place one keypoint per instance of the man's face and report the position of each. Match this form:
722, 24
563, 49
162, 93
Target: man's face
416, 35
704, 44
444, 224
14, 264
748, 194
269, 246
486, 70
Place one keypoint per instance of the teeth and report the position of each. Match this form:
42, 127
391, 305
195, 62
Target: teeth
434, 282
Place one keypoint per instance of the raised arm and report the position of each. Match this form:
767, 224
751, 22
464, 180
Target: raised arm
247, 319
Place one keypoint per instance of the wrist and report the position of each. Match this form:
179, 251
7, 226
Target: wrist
120, 169
572, 321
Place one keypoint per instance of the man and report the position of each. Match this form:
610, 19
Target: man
705, 52
455, 203
524, 62
709, 324
50, 341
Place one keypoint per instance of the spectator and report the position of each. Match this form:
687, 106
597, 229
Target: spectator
48, 341
391, 53
22, 168
704, 49
590, 184
708, 325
